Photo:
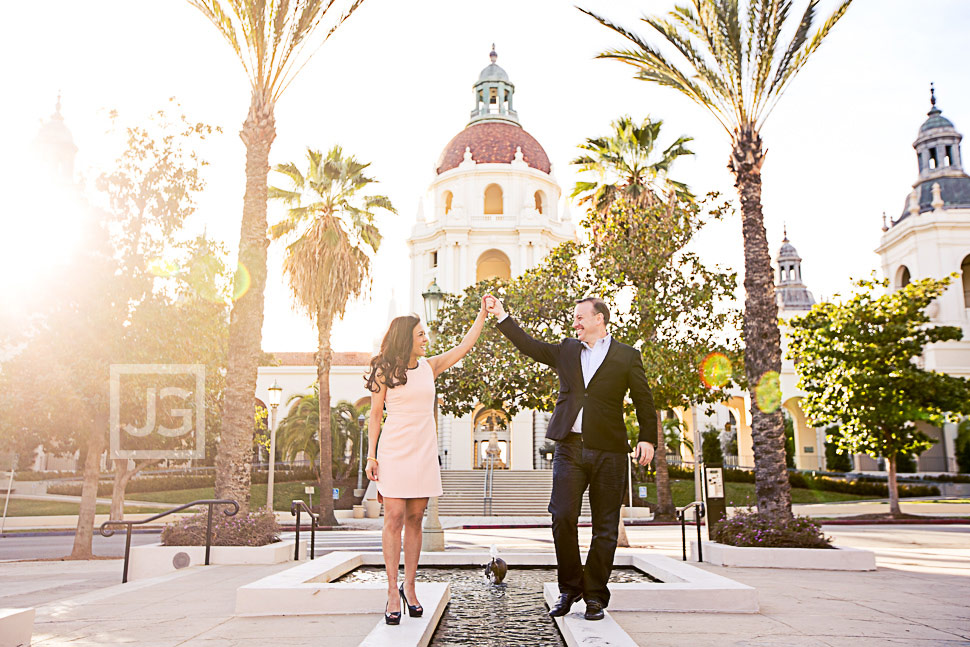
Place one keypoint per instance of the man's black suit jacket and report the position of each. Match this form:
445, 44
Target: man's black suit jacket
602, 400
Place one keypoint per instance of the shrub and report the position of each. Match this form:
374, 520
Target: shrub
766, 531
42, 476
243, 529
711, 453
160, 483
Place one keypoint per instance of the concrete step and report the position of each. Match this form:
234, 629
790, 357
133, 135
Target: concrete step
519, 493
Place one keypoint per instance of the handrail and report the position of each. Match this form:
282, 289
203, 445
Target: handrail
487, 493
296, 507
108, 532
698, 513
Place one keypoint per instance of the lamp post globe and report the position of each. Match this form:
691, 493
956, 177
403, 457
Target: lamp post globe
433, 298
275, 397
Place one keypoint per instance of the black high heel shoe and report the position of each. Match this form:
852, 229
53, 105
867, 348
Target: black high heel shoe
415, 611
391, 618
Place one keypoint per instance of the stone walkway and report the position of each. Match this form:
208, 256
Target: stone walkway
920, 595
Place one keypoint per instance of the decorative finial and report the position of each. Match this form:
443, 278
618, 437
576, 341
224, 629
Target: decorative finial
57, 106
492, 55
932, 94
885, 227
784, 228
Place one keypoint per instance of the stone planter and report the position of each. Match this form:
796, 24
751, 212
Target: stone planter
16, 627
373, 507
837, 559
152, 560
358, 512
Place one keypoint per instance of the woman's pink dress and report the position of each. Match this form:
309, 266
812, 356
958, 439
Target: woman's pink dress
407, 449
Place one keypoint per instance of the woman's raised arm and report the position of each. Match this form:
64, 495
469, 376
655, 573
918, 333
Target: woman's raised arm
444, 361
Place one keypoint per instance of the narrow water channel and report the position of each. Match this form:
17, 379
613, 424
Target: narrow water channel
511, 614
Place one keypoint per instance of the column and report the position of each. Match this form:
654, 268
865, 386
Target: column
463, 265
446, 268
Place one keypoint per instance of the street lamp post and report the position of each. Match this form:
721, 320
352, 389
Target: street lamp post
275, 395
360, 450
433, 537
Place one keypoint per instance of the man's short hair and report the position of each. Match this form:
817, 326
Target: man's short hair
599, 306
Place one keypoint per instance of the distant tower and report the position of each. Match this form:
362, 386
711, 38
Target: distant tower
790, 292
931, 238
55, 146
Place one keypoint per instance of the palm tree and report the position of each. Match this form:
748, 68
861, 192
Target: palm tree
327, 264
738, 68
269, 37
625, 165
297, 432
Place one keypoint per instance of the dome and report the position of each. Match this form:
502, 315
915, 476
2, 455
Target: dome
493, 143
493, 73
787, 251
935, 119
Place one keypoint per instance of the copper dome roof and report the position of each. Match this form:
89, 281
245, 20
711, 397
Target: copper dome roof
493, 143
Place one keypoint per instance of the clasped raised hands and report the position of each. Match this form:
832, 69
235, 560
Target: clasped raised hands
493, 306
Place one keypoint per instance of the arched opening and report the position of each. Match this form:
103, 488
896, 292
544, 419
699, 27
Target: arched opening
493, 264
902, 277
448, 197
493, 200
540, 202
492, 439
965, 275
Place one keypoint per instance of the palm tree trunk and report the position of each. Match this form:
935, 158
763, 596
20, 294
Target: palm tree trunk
762, 339
665, 498
235, 450
84, 534
324, 358
894, 508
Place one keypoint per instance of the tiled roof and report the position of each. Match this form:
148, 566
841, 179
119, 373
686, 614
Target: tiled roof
493, 143
310, 359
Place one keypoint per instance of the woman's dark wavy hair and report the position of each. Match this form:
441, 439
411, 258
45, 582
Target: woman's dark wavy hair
391, 364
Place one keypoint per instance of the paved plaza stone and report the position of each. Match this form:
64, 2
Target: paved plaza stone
919, 595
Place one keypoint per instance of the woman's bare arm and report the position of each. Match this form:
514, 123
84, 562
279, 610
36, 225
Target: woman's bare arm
374, 427
444, 361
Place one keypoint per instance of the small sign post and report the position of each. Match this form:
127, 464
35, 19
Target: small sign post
336, 493
714, 496
642, 491
309, 489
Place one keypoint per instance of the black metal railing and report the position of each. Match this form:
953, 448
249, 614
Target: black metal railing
296, 507
106, 531
698, 507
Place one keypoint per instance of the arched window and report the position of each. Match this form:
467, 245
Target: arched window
493, 264
540, 201
491, 437
493, 199
448, 198
965, 273
902, 277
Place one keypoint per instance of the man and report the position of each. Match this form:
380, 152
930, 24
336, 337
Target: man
595, 374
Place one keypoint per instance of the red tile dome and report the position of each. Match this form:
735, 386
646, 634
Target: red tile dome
493, 143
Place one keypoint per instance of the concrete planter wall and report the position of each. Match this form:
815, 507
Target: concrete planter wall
154, 559
837, 559
16, 627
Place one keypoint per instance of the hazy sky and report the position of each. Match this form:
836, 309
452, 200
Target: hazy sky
394, 85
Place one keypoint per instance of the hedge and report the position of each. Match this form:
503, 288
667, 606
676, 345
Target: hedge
864, 486
179, 482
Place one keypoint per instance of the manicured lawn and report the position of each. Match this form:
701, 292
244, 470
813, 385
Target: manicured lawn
743, 494
283, 493
31, 508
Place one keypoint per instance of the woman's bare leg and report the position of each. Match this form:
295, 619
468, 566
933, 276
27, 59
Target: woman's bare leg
413, 519
394, 514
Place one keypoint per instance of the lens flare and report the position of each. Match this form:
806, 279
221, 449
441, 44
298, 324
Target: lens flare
162, 268
768, 392
716, 370
241, 283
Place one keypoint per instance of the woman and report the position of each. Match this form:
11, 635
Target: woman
405, 464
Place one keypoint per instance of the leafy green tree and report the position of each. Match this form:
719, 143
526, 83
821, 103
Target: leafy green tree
678, 316
732, 60
332, 234
963, 446
711, 453
297, 432
836, 459
271, 40
494, 373
626, 164
858, 363
789, 441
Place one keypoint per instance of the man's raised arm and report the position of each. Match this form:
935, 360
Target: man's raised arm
540, 351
